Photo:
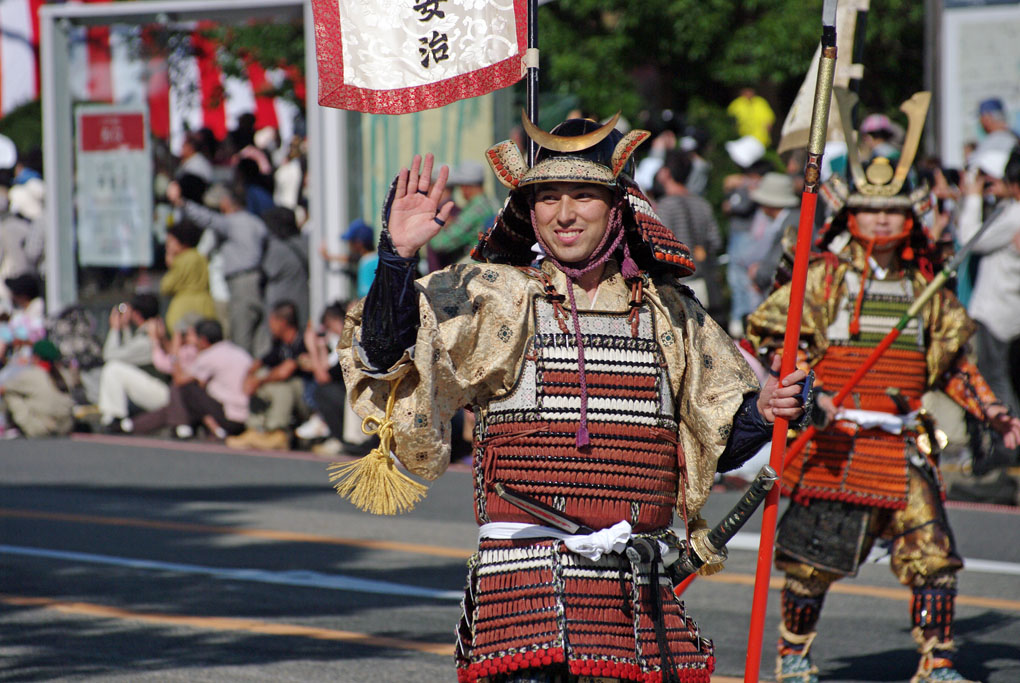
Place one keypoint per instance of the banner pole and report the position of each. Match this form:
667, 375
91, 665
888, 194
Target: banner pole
532, 98
809, 200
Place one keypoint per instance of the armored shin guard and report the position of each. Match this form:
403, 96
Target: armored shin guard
802, 604
931, 610
932, 615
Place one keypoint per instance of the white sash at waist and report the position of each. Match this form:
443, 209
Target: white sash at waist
593, 545
872, 419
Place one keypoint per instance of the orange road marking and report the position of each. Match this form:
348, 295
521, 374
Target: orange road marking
228, 624
899, 594
776, 583
246, 625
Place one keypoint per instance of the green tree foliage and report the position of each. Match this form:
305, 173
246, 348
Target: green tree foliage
273, 45
684, 54
24, 126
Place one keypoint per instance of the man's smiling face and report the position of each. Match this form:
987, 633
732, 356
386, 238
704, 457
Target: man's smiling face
571, 218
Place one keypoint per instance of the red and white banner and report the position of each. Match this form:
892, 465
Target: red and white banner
105, 67
401, 56
19, 47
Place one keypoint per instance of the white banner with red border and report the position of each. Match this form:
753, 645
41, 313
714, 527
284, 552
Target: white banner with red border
402, 56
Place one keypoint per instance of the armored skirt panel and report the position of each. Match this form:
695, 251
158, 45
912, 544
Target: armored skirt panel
846, 461
532, 603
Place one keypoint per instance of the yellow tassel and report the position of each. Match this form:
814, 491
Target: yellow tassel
373, 483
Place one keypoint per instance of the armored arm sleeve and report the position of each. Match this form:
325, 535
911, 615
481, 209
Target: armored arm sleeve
390, 322
964, 384
750, 432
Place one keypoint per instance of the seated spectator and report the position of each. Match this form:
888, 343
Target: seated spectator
36, 398
276, 385
285, 262
20, 328
208, 391
187, 277
329, 393
128, 375
177, 351
73, 332
27, 323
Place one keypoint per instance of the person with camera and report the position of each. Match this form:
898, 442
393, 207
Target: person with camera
128, 375
995, 301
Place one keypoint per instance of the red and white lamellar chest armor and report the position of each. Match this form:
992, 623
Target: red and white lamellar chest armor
532, 602
846, 461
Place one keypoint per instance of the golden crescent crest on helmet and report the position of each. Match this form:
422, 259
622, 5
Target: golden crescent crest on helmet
565, 143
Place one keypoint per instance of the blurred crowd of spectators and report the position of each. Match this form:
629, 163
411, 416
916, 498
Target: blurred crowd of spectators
225, 347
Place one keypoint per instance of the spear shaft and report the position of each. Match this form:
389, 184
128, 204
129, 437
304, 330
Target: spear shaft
809, 200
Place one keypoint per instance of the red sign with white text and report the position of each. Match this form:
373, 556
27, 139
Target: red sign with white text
105, 132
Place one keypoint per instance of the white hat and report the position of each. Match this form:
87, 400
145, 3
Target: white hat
467, 173
776, 190
746, 150
27, 198
8, 152
992, 162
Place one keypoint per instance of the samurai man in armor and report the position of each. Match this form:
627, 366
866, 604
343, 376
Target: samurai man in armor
601, 389
872, 470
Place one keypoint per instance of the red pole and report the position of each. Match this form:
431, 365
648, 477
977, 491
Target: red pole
812, 175
789, 364
679, 589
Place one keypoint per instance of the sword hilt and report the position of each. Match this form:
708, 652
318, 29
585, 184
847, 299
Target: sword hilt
692, 558
725, 530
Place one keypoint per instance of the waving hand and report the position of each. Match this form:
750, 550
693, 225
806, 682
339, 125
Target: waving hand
415, 215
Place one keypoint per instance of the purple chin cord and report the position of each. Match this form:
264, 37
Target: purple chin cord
611, 239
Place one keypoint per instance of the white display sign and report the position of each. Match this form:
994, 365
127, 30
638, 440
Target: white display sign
980, 60
113, 193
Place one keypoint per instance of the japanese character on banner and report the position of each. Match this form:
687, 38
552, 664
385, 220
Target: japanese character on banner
429, 9
436, 47
401, 56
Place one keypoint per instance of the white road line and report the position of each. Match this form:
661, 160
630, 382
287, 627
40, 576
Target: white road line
749, 541
308, 579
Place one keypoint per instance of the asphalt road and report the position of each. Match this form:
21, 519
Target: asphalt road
144, 561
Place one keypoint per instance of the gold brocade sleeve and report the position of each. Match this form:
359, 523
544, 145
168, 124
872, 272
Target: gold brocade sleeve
948, 328
475, 325
766, 326
709, 379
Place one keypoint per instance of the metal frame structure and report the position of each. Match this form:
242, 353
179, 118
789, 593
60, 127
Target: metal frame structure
327, 130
